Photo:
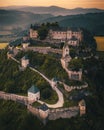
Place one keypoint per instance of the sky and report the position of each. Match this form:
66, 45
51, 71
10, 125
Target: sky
62, 3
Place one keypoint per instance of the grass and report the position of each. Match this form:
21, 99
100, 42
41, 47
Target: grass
70, 103
36, 104
5, 32
53, 99
75, 83
100, 43
22, 94
3, 45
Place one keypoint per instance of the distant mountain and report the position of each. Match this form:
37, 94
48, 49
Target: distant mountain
12, 18
92, 21
54, 10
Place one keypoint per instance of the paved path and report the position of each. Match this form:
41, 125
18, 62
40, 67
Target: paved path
60, 101
15, 60
33, 69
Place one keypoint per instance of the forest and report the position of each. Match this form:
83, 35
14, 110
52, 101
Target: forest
15, 116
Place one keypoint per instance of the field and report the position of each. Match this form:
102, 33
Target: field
100, 43
5, 33
3, 45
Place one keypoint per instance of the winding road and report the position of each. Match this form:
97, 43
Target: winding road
60, 101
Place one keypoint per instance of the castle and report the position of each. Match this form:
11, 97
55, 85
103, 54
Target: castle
73, 75
73, 35
34, 32
33, 94
65, 33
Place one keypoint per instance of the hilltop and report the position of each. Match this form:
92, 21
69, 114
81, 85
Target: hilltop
94, 22
54, 10
12, 19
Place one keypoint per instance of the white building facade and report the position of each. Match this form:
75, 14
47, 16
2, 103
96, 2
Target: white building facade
44, 111
33, 34
60, 34
63, 34
25, 45
33, 94
24, 62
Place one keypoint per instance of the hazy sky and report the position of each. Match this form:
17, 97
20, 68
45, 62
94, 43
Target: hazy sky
62, 3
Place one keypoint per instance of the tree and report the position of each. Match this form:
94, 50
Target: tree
46, 93
55, 24
42, 32
75, 64
72, 52
88, 40
31, 26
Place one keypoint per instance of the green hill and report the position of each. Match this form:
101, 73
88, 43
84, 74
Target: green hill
14, 116
10, 19
92, 21
13, 18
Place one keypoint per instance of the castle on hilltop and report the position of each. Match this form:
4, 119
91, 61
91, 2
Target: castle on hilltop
65, 33
73, 35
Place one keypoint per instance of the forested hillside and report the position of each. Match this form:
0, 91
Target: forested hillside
93, 22
15, 116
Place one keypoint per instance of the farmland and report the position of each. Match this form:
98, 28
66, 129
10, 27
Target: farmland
100, 43
3, 45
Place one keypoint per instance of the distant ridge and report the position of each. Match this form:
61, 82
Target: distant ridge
54, 10
94, 22
13, 19
10, 19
